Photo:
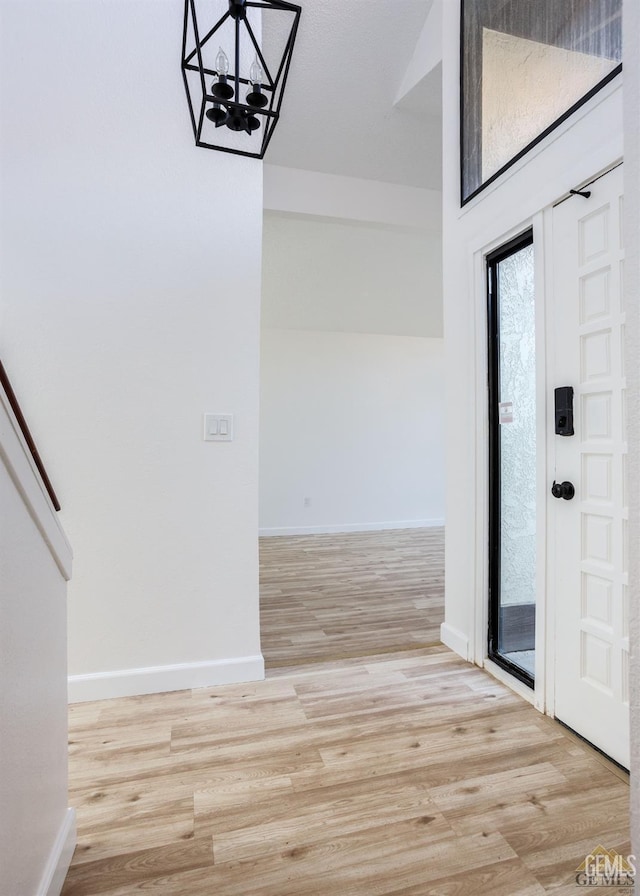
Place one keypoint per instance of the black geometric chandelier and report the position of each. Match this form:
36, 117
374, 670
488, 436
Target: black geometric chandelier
234, 92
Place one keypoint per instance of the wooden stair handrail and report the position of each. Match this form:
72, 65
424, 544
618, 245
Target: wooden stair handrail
15, 407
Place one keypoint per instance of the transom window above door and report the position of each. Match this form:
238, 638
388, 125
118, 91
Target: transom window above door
526, 66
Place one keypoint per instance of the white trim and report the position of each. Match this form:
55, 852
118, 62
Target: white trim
542, 265
158, 679
479, 624
60, 857
479, 649
480, 619
17, 458
513, 683
549, 520
454, 639
350, 527
615, 85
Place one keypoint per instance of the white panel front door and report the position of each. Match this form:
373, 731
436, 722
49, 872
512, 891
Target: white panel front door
592, 644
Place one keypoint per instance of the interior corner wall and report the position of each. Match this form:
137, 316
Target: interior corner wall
587, 143
130, 285
351, 433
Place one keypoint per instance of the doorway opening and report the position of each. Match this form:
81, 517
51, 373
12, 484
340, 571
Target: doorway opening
512, 457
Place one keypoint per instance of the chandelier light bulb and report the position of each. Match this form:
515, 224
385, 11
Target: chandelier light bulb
222, 63
220, 88
255, 73
256, 97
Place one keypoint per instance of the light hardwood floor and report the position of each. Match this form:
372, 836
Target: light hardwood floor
401, 774
326, 597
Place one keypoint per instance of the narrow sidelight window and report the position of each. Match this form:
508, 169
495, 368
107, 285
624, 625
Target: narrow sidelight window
512, 458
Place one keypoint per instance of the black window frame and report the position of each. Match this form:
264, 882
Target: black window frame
494, 472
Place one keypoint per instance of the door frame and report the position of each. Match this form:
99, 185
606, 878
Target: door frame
492, 260
543, 694
540, 225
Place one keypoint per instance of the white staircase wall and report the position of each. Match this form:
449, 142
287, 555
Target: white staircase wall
37, 832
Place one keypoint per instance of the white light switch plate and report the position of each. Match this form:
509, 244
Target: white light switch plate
218, 427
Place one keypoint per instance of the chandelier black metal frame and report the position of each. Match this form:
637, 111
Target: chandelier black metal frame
218, 103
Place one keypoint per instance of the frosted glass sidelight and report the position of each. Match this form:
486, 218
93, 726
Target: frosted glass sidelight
512, 449
525, 66
517, 371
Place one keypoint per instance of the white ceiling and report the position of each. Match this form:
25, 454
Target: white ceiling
338, 114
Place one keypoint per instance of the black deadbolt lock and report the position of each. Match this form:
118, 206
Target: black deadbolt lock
564, 410
563, 490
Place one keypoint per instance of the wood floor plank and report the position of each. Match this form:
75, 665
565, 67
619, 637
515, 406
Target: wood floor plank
510, 877
275, 826
402, 773
330, 596
134, 868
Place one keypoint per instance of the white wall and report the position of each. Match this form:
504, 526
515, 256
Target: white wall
315, 193
632, 304
37, 832
131, 287
350, 276
353, 422
506, 208
351, 391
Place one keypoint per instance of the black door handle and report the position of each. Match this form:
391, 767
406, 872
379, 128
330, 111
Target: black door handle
563, 490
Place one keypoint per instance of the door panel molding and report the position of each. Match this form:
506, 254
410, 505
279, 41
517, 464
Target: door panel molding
591, 649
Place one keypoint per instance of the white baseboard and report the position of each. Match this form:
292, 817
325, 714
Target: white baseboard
158, 679
456, 640
59, 857
350, 527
